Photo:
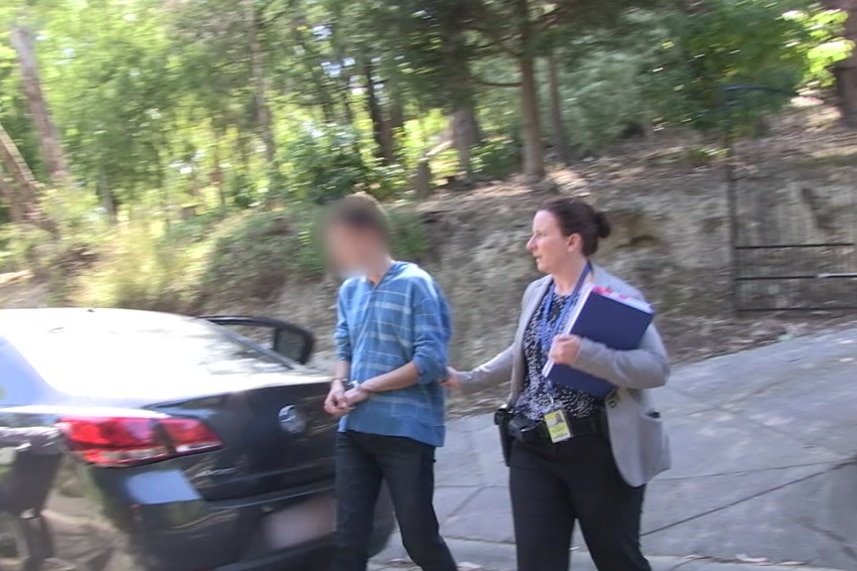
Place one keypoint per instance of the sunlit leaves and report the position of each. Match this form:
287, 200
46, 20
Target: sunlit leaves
754, 42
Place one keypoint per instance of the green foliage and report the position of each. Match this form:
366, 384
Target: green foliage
729, 42
825, 46
163, 106
56, 263
196, 229
13, 110
388, 181
17, 246
670, 68
241, 191
703, 156
408, 236
326, 164
495, 158
142, 268
246, 256
604, 97
115, 94
153, 98
255, 254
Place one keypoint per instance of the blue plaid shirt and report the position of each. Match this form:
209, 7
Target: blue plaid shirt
404, 318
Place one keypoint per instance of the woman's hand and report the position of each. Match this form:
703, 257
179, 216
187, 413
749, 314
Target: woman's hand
564, 349
452, 380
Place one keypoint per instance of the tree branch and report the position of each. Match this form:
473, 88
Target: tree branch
481, 81
549, 19
291, 8
493, 44
264, 23
496, 39
485, 50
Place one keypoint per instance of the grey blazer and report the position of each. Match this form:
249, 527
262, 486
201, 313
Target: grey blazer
637, 436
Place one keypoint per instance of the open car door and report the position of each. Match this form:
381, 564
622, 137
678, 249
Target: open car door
285, 338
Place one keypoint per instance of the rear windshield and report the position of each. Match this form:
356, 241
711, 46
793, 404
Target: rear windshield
141, 355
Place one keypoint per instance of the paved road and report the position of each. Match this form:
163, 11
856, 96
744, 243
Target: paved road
583, 563
765, 466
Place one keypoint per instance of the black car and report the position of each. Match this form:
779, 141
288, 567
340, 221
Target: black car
133, 440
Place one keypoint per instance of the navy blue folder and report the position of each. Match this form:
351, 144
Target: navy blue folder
606, 317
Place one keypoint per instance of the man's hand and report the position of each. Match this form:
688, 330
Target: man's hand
452, 380
336, 404
564, 349
355, 396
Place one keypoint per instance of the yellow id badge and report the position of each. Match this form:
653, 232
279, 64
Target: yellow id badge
557, 425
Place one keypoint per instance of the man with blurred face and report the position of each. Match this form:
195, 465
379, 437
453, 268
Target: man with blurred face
392, 335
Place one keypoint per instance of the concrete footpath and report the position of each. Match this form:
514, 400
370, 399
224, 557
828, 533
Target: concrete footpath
764, 469
582, 562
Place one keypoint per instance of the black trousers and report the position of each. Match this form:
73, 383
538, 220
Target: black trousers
363, 462
555, 485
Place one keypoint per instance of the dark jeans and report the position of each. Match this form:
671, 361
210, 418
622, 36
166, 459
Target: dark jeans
363, 462
553, 486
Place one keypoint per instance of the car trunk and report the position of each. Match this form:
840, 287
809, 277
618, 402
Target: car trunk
274, 438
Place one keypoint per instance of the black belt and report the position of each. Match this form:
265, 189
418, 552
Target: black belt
529, 431
589, 426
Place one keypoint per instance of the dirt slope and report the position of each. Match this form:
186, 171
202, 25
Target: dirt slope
19, 290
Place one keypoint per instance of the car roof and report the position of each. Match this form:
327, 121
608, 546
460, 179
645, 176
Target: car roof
49, 319
133, 354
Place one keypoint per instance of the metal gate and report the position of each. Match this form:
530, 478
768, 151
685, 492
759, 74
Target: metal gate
790, 182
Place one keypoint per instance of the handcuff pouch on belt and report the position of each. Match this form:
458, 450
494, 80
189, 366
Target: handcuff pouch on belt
525, 430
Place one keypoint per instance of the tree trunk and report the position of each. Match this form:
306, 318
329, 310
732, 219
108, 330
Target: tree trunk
388, 138
17, 168
22, 190
108, 201
846, 92
195, 186
216, 177
466, 126
845, 71
394, 124
24, 43
423, 178
534, 152
345, 97
846, 77
380, 131
244, 144
343, 89
9, 194
397, 113
560, 139
260, 83
463, 125
465, 136
166, 197
312, 61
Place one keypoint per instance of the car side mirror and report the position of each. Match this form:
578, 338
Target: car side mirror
294, 342
286, 338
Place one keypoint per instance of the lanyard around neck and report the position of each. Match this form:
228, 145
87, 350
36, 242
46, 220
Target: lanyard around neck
548, 332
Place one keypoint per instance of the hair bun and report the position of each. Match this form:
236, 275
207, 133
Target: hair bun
602, 224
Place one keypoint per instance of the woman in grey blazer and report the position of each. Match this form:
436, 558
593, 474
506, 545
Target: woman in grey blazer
594, 461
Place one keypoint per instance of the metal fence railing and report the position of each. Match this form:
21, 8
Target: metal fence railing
790, 186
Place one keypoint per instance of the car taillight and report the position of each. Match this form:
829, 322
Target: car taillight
121, 441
